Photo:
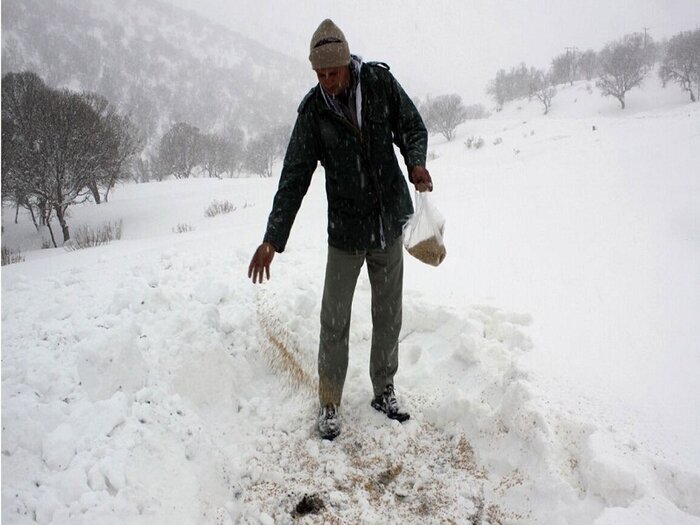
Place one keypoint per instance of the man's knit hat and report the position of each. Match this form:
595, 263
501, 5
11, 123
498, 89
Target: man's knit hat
329, 47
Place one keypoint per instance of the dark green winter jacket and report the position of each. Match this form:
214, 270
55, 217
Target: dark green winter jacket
368, 198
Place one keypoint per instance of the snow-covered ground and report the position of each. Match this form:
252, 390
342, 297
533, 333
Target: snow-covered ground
550, 364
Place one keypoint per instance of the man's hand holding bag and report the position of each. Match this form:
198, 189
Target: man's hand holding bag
423, 232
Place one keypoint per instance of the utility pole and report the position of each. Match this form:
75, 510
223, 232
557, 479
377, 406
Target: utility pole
645, 36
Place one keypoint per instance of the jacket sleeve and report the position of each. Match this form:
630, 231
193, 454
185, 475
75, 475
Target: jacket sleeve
300, 162
410, 133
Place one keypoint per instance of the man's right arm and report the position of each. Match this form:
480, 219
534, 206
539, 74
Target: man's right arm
299, 165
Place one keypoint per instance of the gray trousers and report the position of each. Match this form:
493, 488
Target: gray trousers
385, 270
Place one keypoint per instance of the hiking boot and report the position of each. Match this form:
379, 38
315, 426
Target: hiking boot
329, 422
386, 402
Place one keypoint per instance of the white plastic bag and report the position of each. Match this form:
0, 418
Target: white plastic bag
423, 232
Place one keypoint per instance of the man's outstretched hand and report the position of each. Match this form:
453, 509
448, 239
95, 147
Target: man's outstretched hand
261, 262
421, 179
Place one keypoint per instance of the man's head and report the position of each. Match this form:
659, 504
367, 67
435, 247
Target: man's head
330, 56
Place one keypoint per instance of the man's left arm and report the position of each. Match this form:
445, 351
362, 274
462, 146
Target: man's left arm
411, 137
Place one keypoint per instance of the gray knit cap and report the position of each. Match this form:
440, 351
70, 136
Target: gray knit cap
329, 47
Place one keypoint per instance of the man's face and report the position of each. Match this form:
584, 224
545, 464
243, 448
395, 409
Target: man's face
334, 80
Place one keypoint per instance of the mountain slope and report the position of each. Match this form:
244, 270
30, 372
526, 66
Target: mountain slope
159, 63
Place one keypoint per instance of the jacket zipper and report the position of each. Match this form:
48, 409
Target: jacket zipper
375, 182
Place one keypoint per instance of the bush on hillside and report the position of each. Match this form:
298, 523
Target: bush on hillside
10, 256
474, 142
219, 208
88, 236
183, 228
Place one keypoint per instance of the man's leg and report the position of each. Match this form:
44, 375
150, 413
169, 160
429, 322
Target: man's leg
385, 269
342, 270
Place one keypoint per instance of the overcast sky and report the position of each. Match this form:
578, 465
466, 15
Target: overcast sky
451, 46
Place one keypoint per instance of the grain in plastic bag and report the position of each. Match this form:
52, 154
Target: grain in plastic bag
423, 232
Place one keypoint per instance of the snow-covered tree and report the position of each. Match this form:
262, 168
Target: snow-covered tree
623, 65
56, 146
564, 68
180, 151
114, 142
476, 111
23, 100
215, 150
588, 64
221, 154
262, 151
498, 88
443, 114
542, 88
515, 84
681, 63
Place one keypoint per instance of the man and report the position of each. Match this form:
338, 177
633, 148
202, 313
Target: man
350, 122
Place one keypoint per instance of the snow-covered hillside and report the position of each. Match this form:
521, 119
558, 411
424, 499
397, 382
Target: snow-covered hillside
156, 63
550, 364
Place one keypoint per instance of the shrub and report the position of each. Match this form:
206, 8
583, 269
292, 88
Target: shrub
182, 228
474, 142
10, 256
87, 236
219, 208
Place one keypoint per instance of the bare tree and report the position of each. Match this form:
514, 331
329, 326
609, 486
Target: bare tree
498, 88
53, 147
23, 98
113, 143
564, 68
68, 155
222, 154
476, 111
443, 114
263, 150
259, 156
141, 169
512, 85
681, 62
624, 64
520, 81
214, 151
588, 64
235, 139
180, 151
542, 89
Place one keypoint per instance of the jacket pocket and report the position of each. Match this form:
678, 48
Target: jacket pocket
330, 136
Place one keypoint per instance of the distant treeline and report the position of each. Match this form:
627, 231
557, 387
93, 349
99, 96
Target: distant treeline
61, 147
618, 67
